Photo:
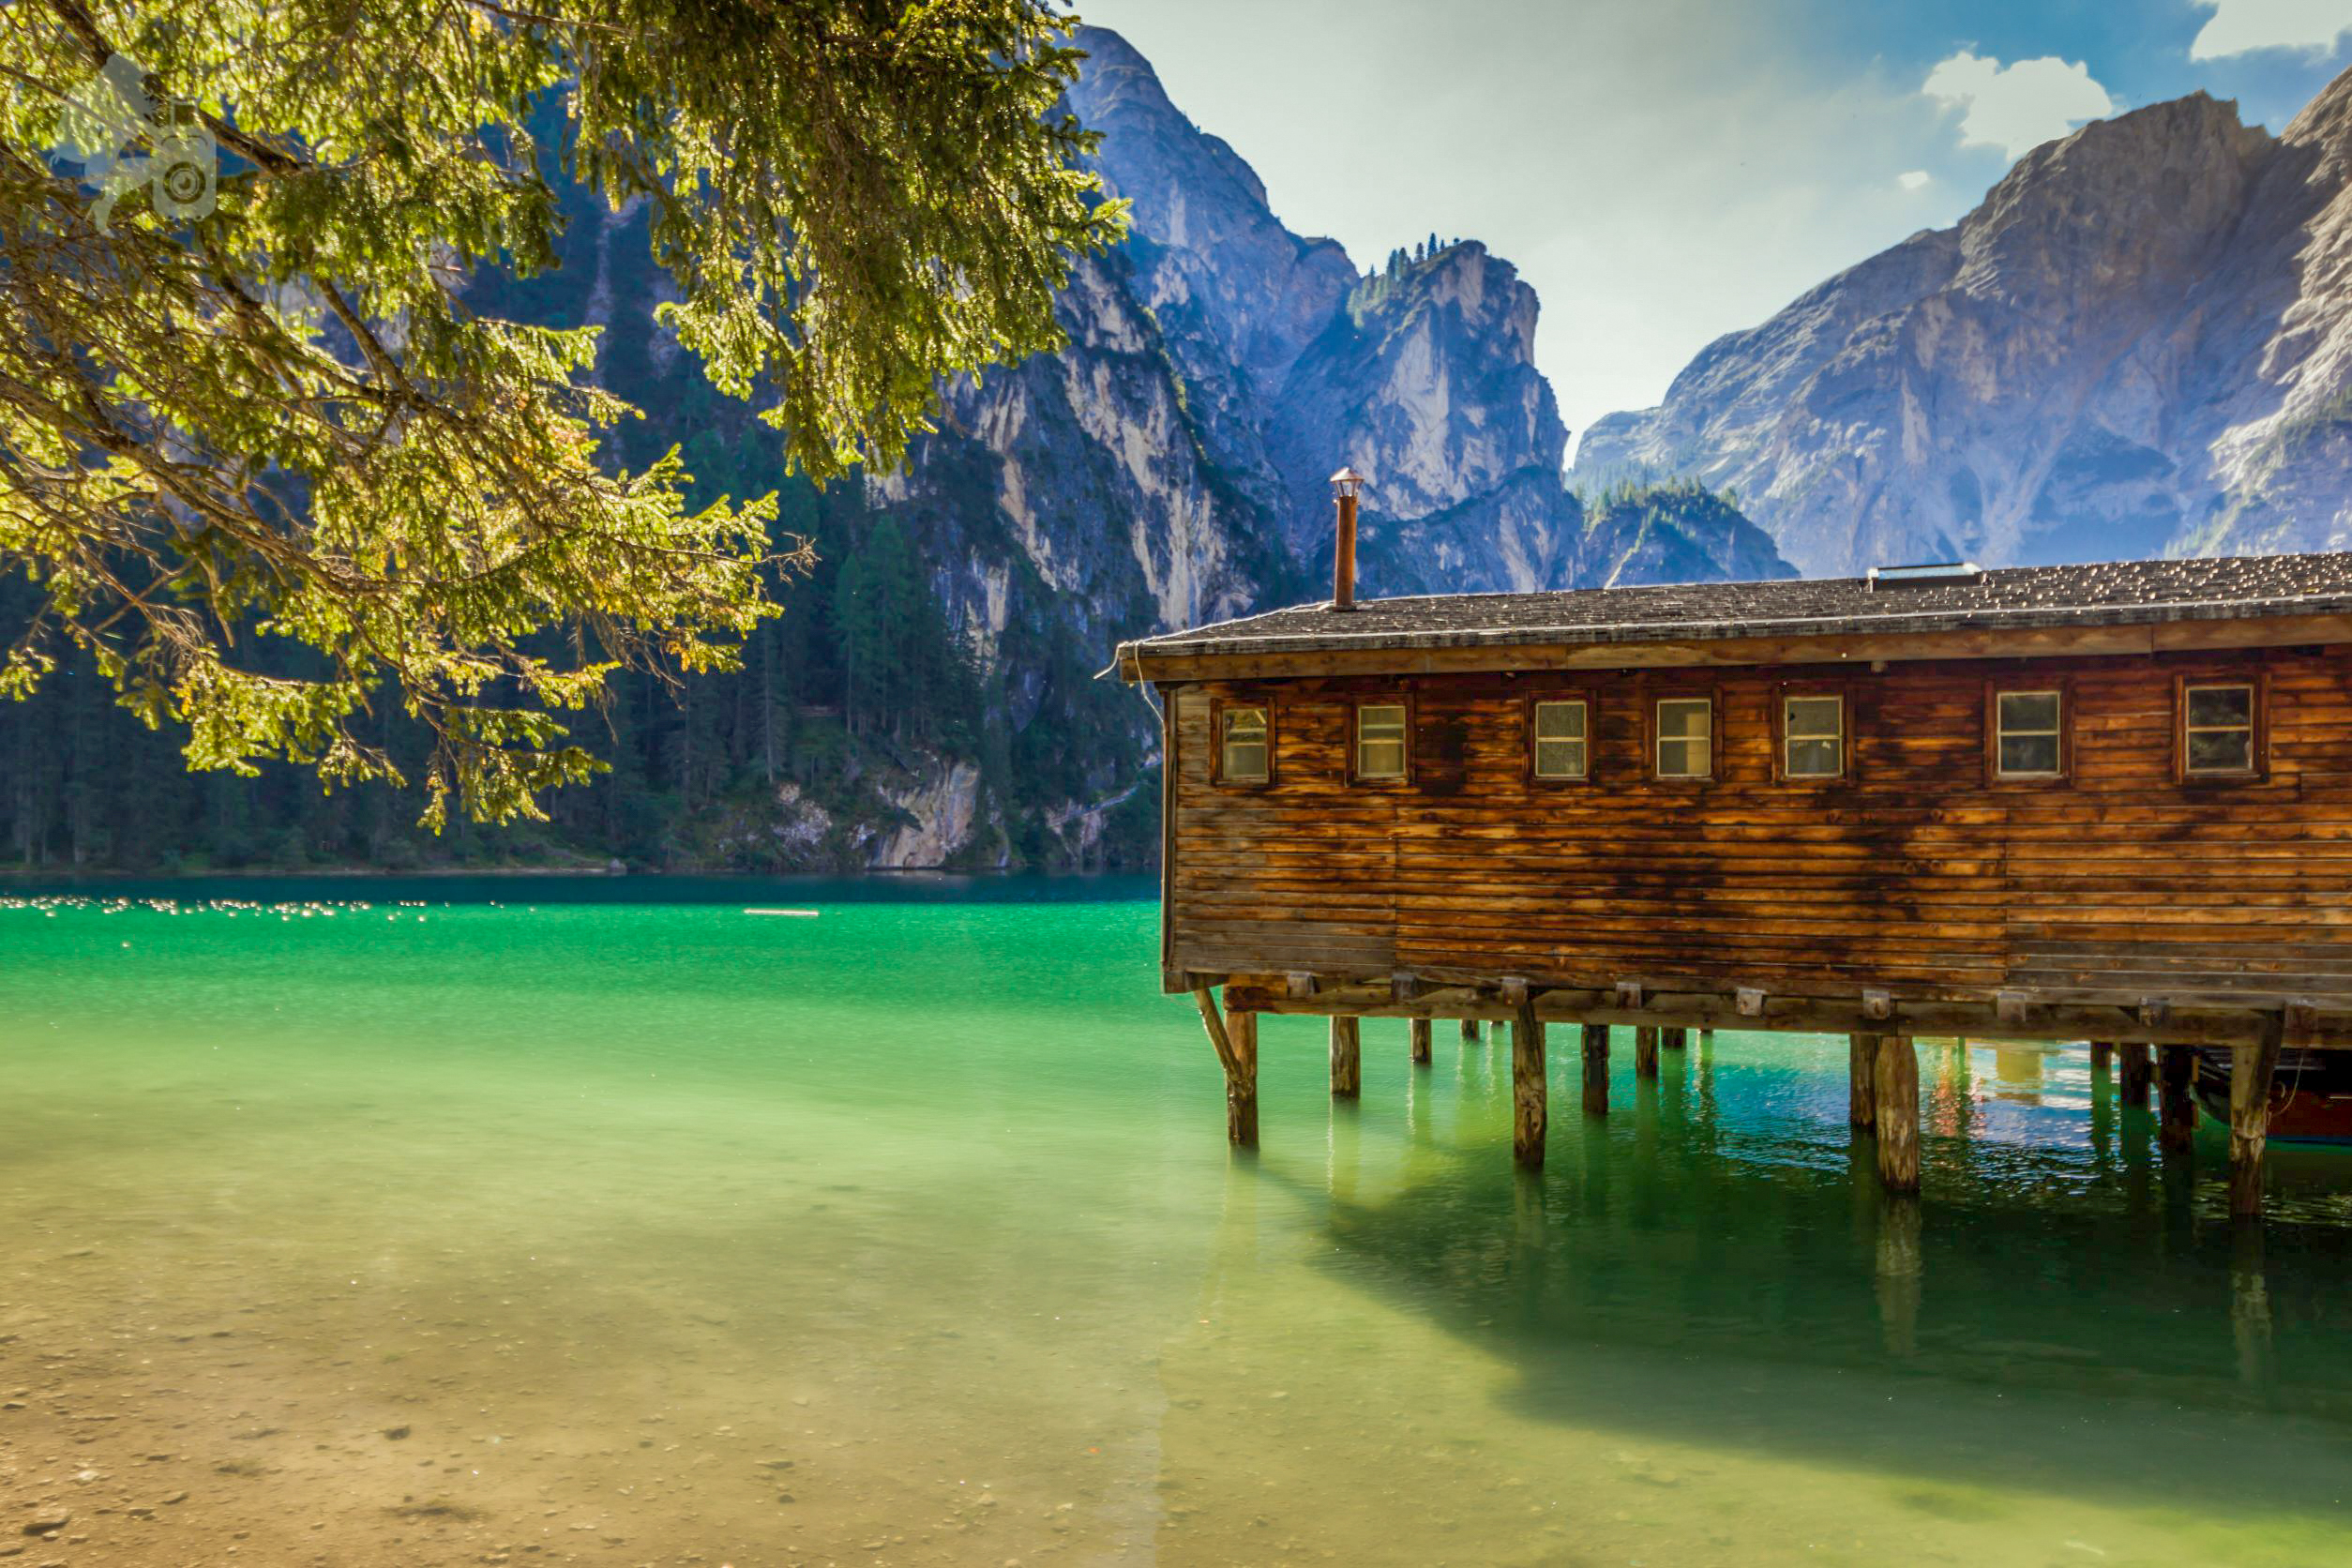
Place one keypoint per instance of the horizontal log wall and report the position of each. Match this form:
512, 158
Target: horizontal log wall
1916, 874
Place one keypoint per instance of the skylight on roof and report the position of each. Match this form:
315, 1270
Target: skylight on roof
1924, 572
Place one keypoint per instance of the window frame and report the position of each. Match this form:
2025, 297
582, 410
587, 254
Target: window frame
1217, 708
1356, 705
1995, 689
1712, 697
1527, 704
1782, 693
2257, 682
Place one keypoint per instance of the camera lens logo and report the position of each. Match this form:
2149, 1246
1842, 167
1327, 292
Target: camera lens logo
111, 115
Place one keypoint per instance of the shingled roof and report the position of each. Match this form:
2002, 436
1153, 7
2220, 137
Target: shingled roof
2120, 592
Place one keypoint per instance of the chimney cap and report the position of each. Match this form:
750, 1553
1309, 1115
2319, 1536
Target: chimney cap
1346, 478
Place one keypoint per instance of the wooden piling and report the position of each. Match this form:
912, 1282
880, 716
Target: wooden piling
2101, 1056
1420, 1030
2250, 1070
2134, 1057
1896, 1084
1470, 1032
1596, 1069
1241, 1080
2176, 1129
1645, 1054
1530, 1115
1237, 1052
1347, 1058
1674, 1039
1861, 1081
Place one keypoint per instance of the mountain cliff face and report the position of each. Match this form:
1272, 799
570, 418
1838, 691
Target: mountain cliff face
1285, 364
932, 696
1171, 465
2139, 343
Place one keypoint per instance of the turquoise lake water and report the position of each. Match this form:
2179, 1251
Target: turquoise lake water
595, 1221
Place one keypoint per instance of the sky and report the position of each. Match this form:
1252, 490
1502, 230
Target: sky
1665, 170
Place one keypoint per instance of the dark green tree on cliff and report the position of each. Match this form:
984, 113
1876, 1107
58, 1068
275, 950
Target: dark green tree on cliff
256, 405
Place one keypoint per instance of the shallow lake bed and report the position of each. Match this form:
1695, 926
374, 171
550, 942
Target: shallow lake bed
445, 1222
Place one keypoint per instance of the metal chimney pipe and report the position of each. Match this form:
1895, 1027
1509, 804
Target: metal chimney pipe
1344, 486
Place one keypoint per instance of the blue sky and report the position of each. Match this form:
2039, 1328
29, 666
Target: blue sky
1665, 170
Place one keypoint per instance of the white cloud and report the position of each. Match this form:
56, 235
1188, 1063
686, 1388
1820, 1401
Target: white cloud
1913, 179
2016, 106
2241, 26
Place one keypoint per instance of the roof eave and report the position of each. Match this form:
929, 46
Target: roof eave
1973, 634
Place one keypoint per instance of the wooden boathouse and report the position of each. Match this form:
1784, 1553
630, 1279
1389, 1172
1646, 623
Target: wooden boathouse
2110, 803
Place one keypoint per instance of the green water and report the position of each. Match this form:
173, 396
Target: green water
599, 1222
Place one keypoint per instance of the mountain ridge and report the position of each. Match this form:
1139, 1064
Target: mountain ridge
2138, 342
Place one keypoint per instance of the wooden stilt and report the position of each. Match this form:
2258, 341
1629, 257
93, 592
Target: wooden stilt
1706, 1036
1596, 1069
1237, 1052
1347, 1058
1896, 1081
1470, 1030
1240, 1081
1530, 1114
1420, 1030
1674, 1039
2101, 1056
1645, 1054
2250, 1070
2176, 1129
1861, 1081
2134, 1057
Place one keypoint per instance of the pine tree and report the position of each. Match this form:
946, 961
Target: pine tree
279, 408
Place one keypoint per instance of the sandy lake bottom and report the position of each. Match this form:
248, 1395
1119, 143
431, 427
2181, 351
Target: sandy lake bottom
422, 1224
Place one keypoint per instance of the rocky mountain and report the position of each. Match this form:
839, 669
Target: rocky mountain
931, 696
2139, 343
1171, 465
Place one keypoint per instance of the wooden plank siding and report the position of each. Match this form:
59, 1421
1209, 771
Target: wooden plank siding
1915, 872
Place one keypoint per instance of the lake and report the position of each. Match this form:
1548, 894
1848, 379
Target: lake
595, 1221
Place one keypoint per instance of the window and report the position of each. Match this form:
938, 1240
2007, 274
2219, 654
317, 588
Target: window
1812, 736
1686, 737
2027, 743
1559, 739
1243, 751
2217, 728
1380, 741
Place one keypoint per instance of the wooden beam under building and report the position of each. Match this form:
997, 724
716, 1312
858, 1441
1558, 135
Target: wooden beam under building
2251, 1071
1529, 1113
2176, 1125
1861, 1081
1235, 1041
1897, 1095
2134, 1057
1347, 1056
2035, 1016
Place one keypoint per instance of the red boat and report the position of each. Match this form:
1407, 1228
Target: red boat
2310, 1098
